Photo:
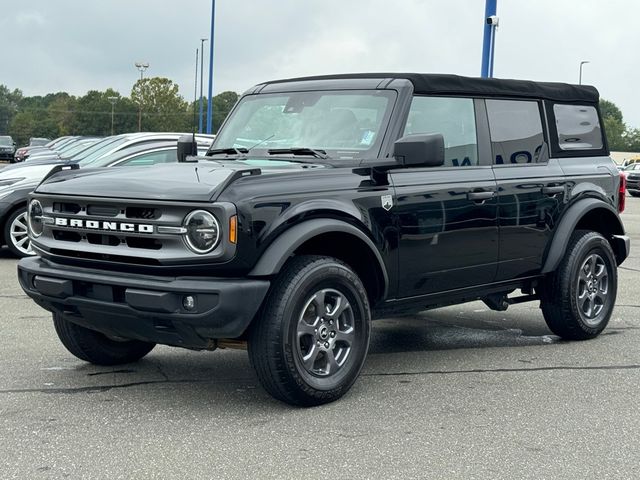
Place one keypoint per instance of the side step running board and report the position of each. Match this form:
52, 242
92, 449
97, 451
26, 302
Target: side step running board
501, 302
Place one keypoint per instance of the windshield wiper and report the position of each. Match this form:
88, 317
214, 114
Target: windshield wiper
299, 151
228, 151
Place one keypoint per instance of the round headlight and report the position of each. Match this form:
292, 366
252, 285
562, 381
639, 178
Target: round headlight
203, 231
35, 218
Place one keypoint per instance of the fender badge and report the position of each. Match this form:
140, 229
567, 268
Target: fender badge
387, 202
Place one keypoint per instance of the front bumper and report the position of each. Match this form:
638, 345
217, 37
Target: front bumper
143, 307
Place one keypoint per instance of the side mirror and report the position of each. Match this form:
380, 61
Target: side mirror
187, 147
420, 150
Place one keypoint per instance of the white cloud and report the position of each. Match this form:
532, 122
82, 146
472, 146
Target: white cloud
29, 19
76, 45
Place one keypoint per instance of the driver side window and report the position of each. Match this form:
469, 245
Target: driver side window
454, 118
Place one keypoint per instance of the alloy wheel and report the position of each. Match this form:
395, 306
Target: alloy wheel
593, 289
326, 333
19, 233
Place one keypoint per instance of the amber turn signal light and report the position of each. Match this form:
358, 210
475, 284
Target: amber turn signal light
233, 229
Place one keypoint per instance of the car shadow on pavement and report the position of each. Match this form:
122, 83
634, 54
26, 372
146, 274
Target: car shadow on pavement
203, 379
460, 327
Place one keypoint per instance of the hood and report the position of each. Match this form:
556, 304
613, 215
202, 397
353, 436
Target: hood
19, 166
24, 172
192, 182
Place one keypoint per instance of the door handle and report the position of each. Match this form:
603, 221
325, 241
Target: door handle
553, 190
481, 196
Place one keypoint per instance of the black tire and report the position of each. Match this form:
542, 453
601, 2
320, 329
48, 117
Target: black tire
282, 338
578, 298
96, 348
15, 231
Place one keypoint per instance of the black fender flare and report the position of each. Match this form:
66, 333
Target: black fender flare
276, 254
568, 224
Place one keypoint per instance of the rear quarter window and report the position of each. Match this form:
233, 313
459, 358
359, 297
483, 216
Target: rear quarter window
578, 127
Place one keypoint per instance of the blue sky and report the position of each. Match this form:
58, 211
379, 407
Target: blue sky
77, 45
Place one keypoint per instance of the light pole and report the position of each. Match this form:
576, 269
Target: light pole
580, 77
142, 66
202, 40
489, 41
210, 96
113, 101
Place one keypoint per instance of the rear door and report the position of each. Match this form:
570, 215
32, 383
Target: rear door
531, 187
447, 215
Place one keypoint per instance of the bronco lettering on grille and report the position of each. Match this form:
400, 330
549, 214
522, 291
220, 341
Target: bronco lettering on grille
105, 226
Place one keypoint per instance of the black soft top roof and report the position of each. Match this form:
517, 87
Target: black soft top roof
441, 84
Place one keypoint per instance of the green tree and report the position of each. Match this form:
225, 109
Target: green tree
9, 101
61, 112
222, 105
125, 115
632, 140
609, 109
163, 109
613, 125
93, 113
30, 123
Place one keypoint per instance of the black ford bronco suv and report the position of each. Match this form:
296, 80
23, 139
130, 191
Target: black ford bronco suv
326, 202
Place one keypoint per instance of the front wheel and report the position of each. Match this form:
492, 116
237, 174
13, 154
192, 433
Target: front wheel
578, 298
311, 342
16, 233
97, 348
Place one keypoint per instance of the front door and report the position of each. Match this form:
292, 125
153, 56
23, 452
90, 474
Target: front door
447, 215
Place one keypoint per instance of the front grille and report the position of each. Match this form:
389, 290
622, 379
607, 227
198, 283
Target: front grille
61, 207
111, 229
103, 210
104, 256
144, 243
100, 239
64, 236
123, 230
146, 213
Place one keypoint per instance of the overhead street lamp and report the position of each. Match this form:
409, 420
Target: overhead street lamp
142, 66
113, 101
581, 64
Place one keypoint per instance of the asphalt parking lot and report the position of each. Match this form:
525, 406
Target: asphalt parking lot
461, 392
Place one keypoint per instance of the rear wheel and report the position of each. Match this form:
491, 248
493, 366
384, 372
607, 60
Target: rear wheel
97, 348
16, 233
578, 298
311, 342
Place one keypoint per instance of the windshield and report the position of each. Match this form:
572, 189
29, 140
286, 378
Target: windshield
99, 149
6, 141
72, 150
344, 124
